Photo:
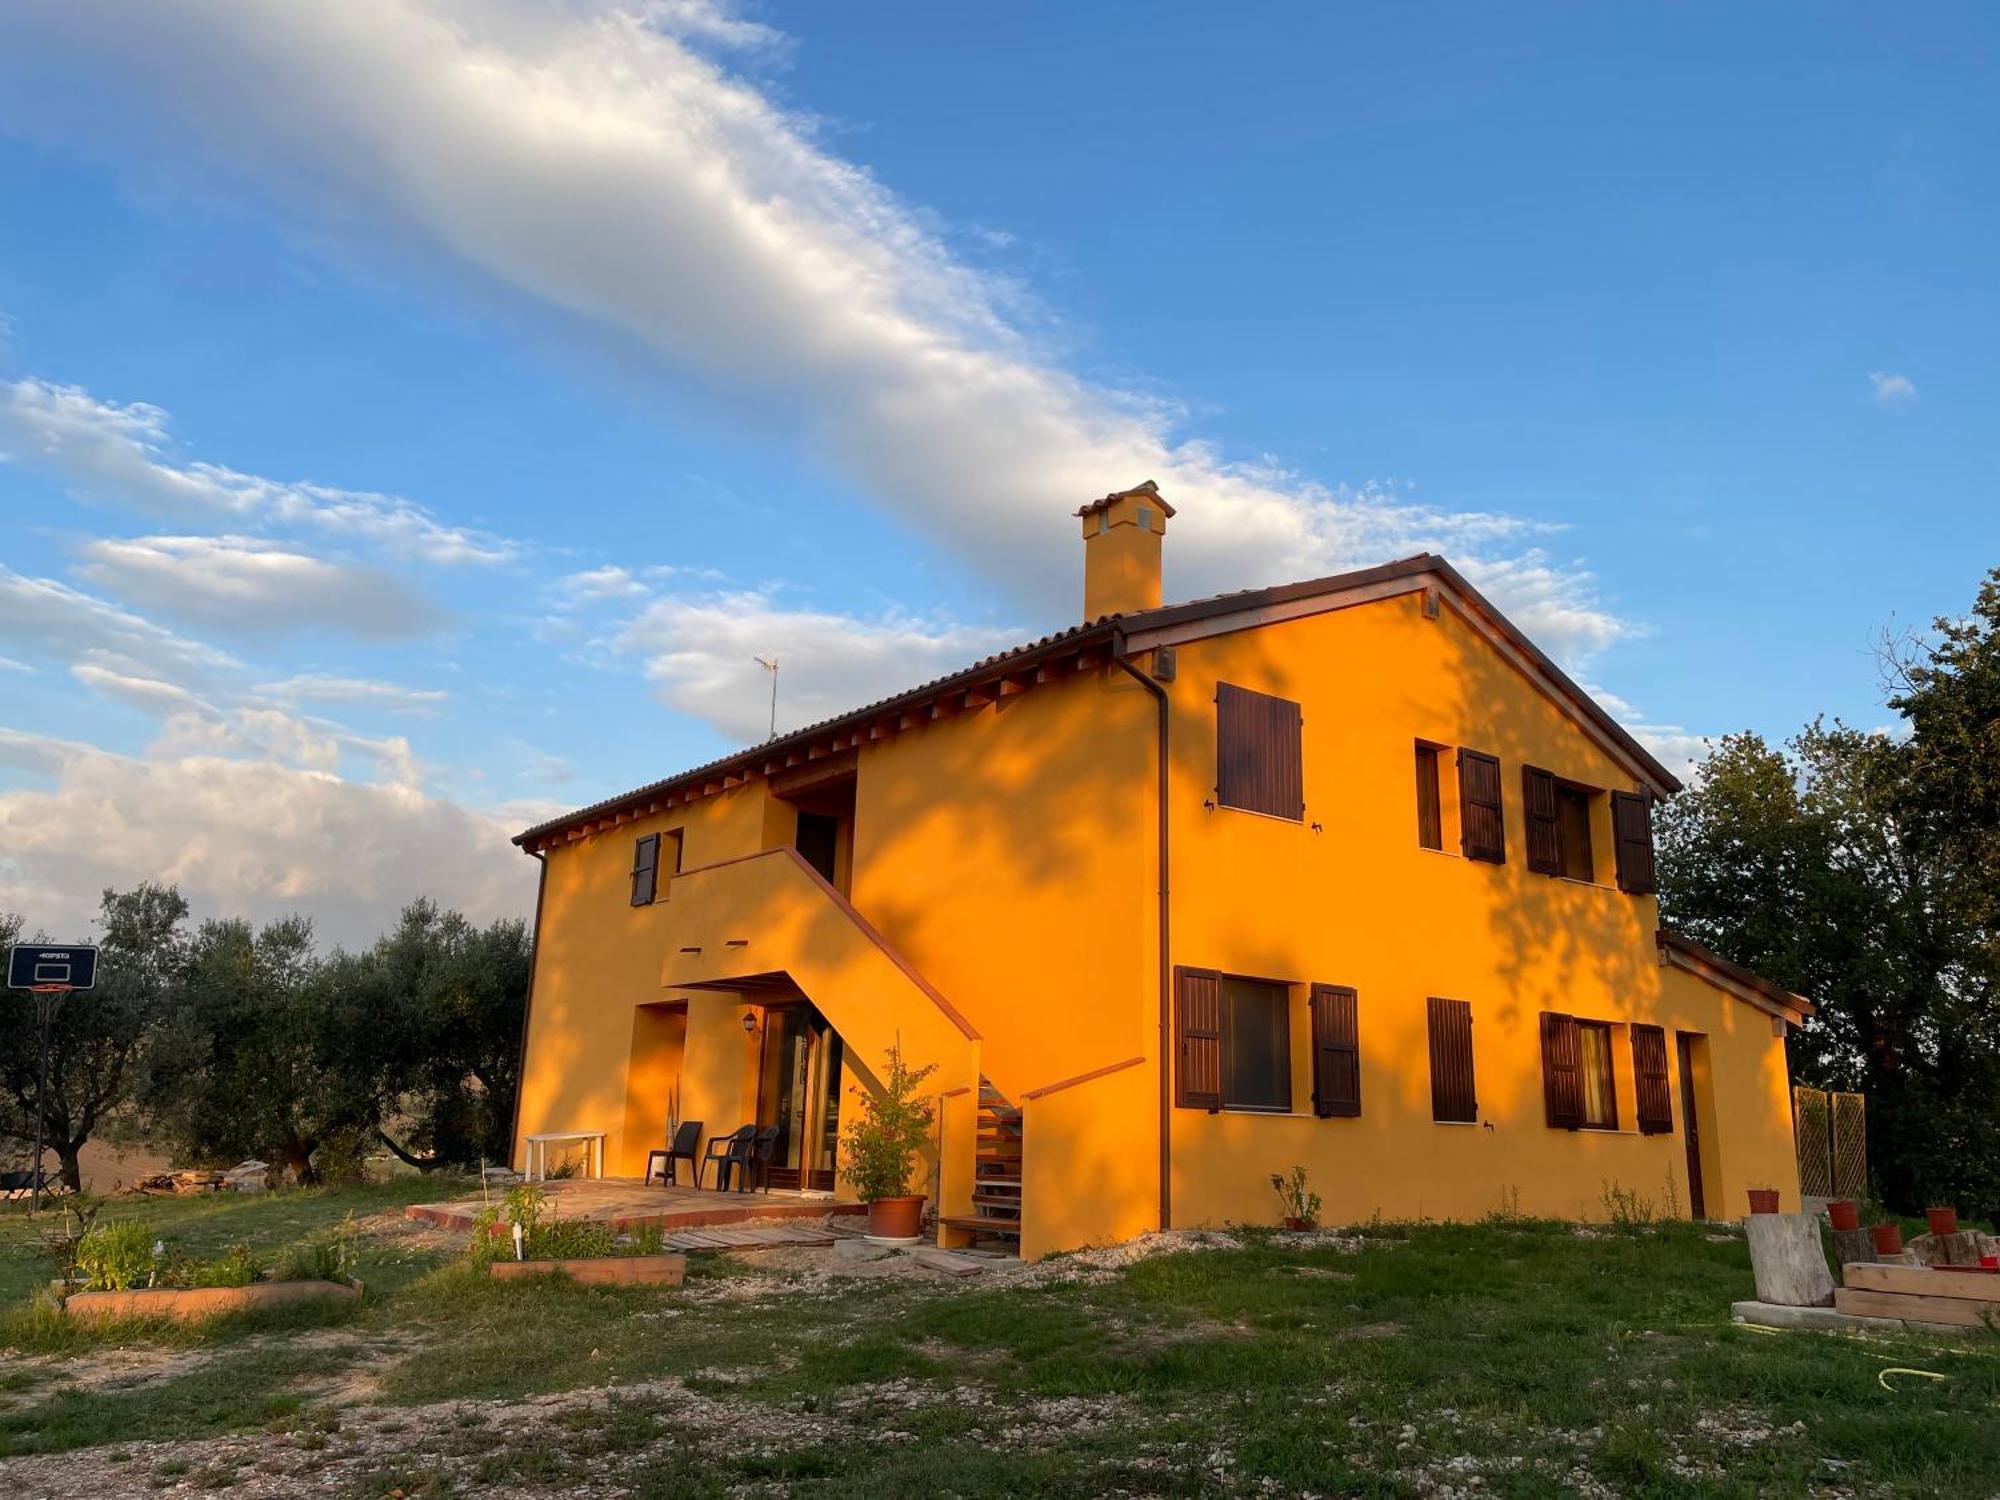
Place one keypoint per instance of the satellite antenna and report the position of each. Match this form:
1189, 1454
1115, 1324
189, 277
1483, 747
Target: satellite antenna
770, 664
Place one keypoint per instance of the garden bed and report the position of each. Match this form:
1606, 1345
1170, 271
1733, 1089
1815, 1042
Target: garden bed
198, 1303
608, 1270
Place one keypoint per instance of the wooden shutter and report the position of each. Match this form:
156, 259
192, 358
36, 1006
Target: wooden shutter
1430, 816
1562, 1080
1198, 1018
1632, 832
1482, 824
1336, 1051
645, 869
1649, 1071
1538, 802
1453, 1096
1258, 753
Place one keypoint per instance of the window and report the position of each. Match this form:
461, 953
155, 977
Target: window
645, 869
1235, 1044
649, 856
1632, 834
1558, 817
1579, 1087
1600, 1091
1573, 827
1453, 1096
1336, 1052
1430, 813
1482, 822
1258, 755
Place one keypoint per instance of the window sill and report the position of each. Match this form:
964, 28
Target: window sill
1447, 853
1251, 812
1460, 1124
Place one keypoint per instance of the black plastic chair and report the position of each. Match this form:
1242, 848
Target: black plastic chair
725, 1151
757, 1169
680, 1148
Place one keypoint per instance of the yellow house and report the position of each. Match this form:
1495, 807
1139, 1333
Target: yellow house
1343, 874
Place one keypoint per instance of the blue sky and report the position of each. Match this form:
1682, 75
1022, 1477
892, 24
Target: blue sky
417, 415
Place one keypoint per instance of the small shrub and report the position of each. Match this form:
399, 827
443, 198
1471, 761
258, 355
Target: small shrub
567, 1168
327, 1257
648, 1239
1300, 1201
1627, 1207
115, 1257
890, 1129
342, 1159
236, 1268
569, 1239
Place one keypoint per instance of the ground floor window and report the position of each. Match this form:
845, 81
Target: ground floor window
1600, 1092
1256, 1044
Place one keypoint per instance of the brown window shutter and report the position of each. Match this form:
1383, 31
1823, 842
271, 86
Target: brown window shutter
1430, 815
1649, 1070
1453, 1096
1538, 803
1482, 822
1259, 757
1336, 1051
645, 869
1198, 1017
1562, 1082
1632, 830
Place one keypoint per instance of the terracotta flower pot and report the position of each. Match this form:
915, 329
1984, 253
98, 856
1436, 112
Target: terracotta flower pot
1763, 1200
1844, 1213
1888, 1238
896, 1218
1942, 1220
1298, 1226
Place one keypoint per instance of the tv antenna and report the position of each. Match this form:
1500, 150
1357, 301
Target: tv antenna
770, 664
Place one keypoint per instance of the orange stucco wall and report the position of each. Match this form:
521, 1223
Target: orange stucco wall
1005, 856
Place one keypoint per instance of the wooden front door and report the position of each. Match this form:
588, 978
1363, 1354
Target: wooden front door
1690, 1129
798, 1091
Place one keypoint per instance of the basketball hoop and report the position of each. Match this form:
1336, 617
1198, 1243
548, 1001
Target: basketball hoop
48, 972
50, 989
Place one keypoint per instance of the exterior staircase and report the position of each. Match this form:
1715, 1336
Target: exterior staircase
996, 1174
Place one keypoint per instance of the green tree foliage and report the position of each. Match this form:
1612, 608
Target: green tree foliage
1863, 871
100, 1040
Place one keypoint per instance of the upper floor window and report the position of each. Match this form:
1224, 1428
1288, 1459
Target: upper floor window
1430, 806
1558, 814
649, 855
1632, 837
1258, 753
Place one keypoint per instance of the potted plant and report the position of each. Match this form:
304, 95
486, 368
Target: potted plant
1843, 1214
1942, 1221
1763, 1200
882, 1146
1888, 1238
1301, 1203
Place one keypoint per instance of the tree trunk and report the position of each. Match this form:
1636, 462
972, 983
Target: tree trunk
296, 1158
70, 1154
421, 1163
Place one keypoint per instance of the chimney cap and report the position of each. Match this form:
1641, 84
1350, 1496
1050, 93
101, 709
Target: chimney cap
1148, 490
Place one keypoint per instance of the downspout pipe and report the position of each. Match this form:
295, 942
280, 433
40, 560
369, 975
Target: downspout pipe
528, 1007
1120, 656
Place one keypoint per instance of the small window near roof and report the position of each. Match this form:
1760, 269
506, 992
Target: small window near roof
645, 869
1258, 753
1430, 809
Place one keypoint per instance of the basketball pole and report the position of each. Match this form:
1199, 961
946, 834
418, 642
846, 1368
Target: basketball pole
47, 998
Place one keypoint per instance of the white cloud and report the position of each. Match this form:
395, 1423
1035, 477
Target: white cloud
238, 583
585, 158
359, 692
1892, 389
243, 836
1678, 749
121, 455
52, 619
154, 695
597, 585
700, 653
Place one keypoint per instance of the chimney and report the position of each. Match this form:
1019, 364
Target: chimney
1121, 551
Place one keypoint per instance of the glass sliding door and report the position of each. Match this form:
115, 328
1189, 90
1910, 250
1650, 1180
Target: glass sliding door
798, 1091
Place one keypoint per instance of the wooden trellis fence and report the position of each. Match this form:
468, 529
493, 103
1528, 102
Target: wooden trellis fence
1832, 1134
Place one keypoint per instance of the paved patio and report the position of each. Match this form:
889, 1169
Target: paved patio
625, 1203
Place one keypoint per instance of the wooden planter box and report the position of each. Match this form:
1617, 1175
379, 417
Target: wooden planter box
193, 1304
606, 1270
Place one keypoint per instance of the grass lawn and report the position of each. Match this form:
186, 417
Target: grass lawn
1506, 1358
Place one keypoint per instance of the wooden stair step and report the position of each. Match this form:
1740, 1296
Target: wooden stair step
983, 1223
